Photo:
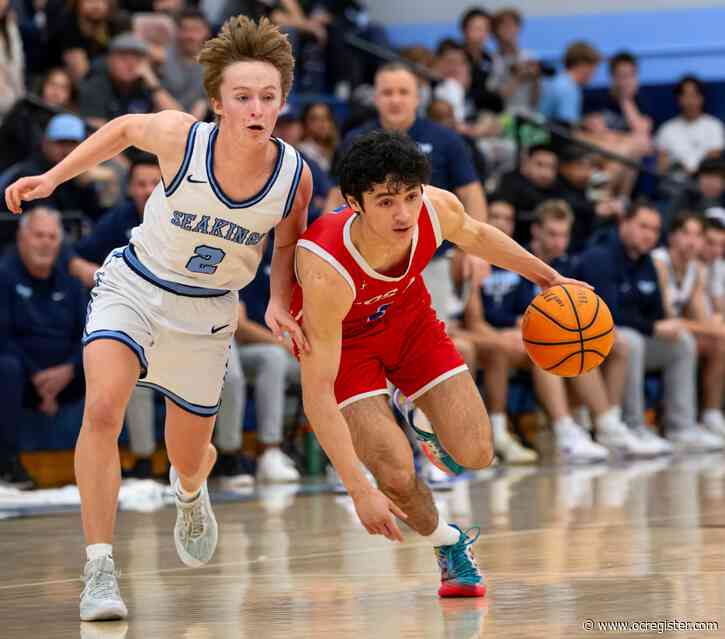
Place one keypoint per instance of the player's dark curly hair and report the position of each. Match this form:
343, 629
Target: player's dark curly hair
382, 157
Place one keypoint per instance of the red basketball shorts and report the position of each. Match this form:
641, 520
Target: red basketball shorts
411, 349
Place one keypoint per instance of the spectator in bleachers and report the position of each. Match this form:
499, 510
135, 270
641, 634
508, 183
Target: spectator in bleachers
529, 186
592, 209
127, 85
12, 59
396, 99
623, 273
441, 112
348, 67
684, 141
684, 293
42, 314
319, 136
624, 107
180, 73
289, 128
710, 191
475, 26
712, 255
494, 314
21, 132
63, 134
516, 72
113, 229
451, 64
37, 21
256, 356
83, 34
561, 96
601, 390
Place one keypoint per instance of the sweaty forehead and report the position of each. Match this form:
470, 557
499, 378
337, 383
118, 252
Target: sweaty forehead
393, 186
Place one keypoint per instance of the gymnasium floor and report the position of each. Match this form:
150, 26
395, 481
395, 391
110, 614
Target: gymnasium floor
560, 547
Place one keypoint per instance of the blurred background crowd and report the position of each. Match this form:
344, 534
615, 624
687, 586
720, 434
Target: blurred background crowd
606, 184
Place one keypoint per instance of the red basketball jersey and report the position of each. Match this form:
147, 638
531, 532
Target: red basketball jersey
378, 296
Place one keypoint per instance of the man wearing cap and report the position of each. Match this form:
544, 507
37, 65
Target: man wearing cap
63, 134
127, 85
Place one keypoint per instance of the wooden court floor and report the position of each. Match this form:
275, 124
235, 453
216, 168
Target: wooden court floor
563, 548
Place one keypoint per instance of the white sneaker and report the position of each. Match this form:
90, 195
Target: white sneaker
275, 467
695, 439
101, 596
645, 433
575, 445
618, 437
196, 532
434, 476
714, 421
512, 451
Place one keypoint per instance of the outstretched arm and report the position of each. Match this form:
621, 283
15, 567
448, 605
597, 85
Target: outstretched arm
327, 299
282, 275
163, 134
487, 242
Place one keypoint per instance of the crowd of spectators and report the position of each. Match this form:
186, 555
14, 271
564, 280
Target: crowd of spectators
654, 251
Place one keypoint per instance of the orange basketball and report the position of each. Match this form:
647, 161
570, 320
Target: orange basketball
568, 330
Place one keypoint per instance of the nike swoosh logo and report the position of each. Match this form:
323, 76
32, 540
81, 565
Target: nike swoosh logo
193, 181
216, 329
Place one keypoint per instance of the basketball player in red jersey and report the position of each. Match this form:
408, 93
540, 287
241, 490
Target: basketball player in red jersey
367, 316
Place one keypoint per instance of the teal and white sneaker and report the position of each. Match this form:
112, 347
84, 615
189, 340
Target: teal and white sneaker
101, 597
460, 574
196, 532
429, 443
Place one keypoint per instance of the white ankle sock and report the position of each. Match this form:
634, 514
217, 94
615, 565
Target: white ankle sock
96, 551
499, 426
444, 535
185, 496
563, 421
711, 415
607, 418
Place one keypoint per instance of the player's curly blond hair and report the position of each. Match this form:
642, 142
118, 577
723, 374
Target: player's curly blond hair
243, 40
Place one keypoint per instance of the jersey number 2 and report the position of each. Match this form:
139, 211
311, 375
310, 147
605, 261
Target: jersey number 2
205, 259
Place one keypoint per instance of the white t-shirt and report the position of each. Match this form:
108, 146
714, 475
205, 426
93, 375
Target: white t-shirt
714, 282
689, 142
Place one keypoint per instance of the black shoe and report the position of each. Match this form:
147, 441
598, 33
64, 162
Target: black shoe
13, 473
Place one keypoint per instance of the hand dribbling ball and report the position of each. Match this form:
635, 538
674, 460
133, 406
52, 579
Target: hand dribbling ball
568, 330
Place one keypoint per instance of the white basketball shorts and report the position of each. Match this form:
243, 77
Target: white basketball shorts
180, 336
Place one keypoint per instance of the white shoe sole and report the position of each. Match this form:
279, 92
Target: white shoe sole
108, 613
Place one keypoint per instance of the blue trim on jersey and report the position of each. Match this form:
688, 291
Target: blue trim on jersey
223, 197
196, 409
132, 261
179, 177
122, 337
295, 184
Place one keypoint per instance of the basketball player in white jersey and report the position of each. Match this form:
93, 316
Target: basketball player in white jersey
684, 285
165, 307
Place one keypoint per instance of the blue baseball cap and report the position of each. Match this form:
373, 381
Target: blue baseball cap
65, 128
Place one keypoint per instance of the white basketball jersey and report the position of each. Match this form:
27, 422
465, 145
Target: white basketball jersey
195, 236
680, 292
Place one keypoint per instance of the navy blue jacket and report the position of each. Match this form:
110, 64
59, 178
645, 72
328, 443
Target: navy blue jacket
450, 158
41, 321
111, 231
629, 287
